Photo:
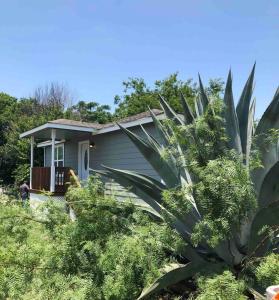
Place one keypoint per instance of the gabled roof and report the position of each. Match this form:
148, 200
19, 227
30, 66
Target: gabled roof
136, 117
94, 128
76, 123
97, 126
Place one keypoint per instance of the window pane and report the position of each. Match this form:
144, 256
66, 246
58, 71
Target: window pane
60, 153
60, 163
55, 153
85, 160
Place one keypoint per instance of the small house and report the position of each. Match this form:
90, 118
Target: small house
74, 146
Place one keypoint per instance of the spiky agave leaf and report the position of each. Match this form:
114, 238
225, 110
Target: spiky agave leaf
250, 130
170, 113
269, 152
168, 173
187, 112
203, 96
163, 134
198, 114
270, 187
259, 241
174, 274
200, 108
150, 191
152, 141
232, 126
243, 107
151, 186
270, 118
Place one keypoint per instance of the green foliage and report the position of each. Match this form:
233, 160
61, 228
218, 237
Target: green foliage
129, 263
213, 194
19, 115
225, 197
57, 286
267, 272
138, 97
110, 252
89, 112
223, 287
203, 140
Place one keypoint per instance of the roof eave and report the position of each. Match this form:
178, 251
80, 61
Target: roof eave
142, 121
56, 126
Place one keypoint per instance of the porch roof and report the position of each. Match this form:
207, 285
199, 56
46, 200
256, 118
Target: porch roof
64, 129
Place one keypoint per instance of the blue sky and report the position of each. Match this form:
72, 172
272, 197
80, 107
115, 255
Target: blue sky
92, 46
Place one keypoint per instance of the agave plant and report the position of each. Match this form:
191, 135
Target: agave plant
241, 132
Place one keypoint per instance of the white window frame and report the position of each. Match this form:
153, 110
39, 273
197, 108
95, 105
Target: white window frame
56, 160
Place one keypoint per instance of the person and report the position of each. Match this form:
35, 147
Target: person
24, 193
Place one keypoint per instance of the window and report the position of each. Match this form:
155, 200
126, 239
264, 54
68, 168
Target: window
59, 155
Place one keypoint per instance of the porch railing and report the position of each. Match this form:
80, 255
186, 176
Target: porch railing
62, 177
41, 179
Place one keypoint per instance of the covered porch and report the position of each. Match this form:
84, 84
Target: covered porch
53, 137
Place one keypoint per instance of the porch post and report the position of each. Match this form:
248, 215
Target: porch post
52, 168
31, 159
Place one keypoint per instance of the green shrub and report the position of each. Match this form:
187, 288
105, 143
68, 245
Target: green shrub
225, 197
128, 263
110, 252
59, 287
267, 273
221, 287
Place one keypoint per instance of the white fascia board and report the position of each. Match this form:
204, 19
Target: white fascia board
129, 124
32, 131
55, 126
48, 143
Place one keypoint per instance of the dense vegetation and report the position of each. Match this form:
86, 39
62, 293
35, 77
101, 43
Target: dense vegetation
220, 181
211, 231
110, 252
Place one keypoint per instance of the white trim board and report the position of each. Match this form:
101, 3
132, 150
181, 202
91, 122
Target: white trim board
55, 126
48, 143
142, 121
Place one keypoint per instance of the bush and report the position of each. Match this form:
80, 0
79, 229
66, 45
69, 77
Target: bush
267, 273
225, 196
223, 287
109, 252
128, 263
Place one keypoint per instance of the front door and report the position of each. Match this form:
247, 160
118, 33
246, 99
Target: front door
83, 160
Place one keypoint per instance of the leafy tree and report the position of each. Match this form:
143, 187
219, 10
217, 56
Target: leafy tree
138, 96
89, 112
7, 104
20, 115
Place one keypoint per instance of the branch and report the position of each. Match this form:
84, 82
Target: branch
24, 217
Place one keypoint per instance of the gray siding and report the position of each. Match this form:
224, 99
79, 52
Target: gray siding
71, 155
115, 150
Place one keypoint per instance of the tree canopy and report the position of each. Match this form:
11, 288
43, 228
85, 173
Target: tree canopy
138, 96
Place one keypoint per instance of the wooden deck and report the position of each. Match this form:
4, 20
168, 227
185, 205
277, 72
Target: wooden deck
41, 180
